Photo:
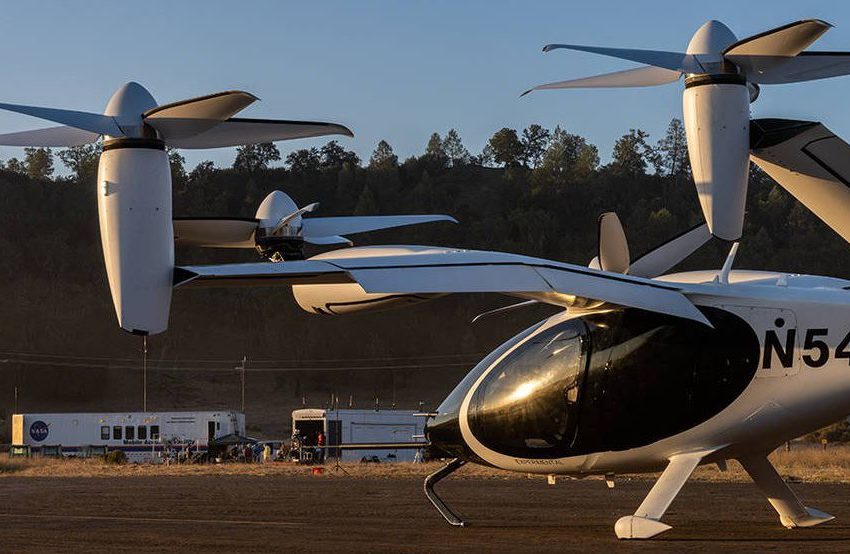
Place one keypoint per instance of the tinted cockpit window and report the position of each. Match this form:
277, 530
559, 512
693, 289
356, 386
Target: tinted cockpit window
611, 381
528, 400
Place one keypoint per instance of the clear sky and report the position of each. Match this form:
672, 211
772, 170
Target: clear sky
394, 70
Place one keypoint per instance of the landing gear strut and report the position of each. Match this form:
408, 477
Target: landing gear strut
438, 503
792, 512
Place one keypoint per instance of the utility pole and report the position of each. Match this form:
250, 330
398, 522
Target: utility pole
145, 373
242, 367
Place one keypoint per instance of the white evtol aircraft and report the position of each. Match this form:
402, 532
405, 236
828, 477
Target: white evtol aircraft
641, 371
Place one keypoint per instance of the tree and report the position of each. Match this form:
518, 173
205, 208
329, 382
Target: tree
38, 162
16, 166
202, 172
505, 148
454, 149
435, 153
254, 157
535, 139
383, 157
177, 163
334, 155
631, 153
81, 160
304, 161
367, 204
673, 150
568, 157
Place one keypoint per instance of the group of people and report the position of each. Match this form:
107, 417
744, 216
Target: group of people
307, 448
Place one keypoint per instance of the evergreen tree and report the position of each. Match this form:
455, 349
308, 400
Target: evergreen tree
673, 150
631, 154
334, 155
304, 161
255, 157
177, 163
383, 157
505, 148
535, 139
16, 166
82, 160
367, 204
435, 153
454, 149
38, 163
567, 158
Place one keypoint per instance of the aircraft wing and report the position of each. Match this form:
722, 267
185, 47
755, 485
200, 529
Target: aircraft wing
444, 271
810, 162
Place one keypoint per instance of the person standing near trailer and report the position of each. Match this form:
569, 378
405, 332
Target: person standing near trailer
320, 447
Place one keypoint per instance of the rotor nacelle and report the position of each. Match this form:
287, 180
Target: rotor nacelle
722, 76
134, 179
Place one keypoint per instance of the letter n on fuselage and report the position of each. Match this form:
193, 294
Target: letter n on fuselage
785, 352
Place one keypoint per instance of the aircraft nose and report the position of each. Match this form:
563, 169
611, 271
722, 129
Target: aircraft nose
443, 433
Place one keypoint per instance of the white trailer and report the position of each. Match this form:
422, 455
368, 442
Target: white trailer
143, 436
352, 427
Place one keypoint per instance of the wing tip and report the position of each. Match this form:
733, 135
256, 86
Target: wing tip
343, 130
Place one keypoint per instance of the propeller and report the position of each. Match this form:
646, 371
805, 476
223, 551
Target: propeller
278, 231
758, 58
202, 122
613, 249
722, 76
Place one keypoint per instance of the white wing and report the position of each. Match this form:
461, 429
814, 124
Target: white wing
429, 271
810, 162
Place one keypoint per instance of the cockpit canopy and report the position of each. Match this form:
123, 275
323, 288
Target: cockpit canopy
611, 380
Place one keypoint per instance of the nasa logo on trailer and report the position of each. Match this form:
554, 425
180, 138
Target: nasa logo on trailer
39, 431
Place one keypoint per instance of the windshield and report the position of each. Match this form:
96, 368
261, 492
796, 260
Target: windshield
528, 400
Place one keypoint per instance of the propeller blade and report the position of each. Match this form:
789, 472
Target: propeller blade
92, 122
350, 225
286, 219
219, 232
613, 247
239, 131
328, 240
647, 76
174, 120
760, 53
674, 61
659, 260
54, 136
787, 40
806, 66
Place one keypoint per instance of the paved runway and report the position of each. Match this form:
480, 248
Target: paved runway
338, 514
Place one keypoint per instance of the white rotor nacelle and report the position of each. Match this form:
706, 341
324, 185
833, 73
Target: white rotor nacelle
279, 231
134, 180
722, 76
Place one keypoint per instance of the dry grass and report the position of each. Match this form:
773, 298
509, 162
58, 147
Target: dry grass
802, 465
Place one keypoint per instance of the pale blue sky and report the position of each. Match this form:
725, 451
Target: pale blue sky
391, 70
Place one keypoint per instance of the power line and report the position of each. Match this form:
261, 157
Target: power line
228, 361
51, 363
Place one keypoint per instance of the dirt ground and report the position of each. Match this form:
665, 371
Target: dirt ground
292, 511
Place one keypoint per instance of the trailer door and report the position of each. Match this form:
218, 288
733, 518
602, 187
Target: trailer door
210, 430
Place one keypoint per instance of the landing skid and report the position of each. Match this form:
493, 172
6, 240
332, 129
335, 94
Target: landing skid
646, 521
792, 512
438, 503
